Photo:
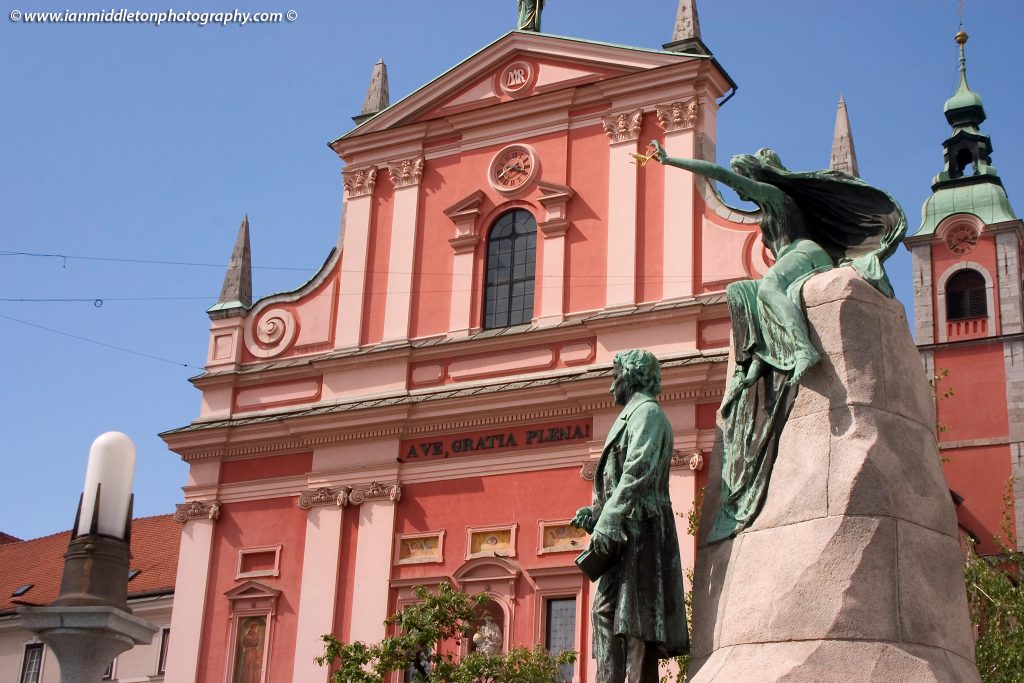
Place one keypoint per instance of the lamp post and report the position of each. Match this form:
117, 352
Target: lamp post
89, 624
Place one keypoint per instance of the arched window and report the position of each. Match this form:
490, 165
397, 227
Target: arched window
511, 260
965, 296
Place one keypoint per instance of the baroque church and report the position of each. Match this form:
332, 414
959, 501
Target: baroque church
430, 406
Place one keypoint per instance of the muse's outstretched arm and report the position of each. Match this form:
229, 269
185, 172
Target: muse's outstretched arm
757, 192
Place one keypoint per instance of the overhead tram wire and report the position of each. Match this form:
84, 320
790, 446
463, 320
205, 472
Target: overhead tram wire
157, 262
99, 343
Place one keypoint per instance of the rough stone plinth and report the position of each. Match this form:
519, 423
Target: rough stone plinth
852, 571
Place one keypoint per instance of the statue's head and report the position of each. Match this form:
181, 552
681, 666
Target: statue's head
753, 165
635, 370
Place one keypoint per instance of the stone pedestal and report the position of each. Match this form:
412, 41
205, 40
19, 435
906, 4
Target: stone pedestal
853, 570
86, 639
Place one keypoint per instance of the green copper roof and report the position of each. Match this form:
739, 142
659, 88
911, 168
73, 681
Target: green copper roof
987, 201
969, 183
964, 98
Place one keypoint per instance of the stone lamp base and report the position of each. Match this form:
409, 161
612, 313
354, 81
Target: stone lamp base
86, 639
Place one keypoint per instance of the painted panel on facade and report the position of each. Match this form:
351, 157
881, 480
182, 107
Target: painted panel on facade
974, 373
249, 650
556, 537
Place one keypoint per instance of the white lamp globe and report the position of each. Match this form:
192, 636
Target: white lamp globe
112, 466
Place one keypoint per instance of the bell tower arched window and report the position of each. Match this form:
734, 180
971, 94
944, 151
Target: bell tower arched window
965, 296
511, 265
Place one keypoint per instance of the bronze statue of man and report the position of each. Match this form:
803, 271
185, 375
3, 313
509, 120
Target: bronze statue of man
638, 615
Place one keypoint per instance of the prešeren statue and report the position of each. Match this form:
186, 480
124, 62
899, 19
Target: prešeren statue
638, 614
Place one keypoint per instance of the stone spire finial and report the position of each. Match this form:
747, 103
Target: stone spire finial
686, 32
687, 25
377, 96
844, 156
236, 294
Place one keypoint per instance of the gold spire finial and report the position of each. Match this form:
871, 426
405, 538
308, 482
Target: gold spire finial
960, 38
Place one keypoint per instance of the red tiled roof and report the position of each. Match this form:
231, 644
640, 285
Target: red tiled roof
7, 538
40, 561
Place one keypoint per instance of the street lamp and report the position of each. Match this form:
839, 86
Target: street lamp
89, 624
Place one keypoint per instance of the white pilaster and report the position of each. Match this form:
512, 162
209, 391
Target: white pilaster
679, 121
319, 591
359, 185
405, 174
190, 589
372, 570
1007, 256
623, 130
924, 301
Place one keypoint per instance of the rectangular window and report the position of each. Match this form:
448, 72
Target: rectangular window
165, 642
32, 663
560, 629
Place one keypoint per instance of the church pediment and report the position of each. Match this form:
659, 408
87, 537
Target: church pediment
516, 66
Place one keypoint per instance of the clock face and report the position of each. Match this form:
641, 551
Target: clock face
962, 240
512, 168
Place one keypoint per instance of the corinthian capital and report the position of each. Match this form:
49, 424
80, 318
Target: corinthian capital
624, 126
406, 171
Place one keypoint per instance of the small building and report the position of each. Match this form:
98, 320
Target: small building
30, 575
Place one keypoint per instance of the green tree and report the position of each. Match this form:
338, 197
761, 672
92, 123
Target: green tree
446, 615
995, 596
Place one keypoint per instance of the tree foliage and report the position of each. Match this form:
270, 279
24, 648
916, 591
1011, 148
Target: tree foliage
444, 616
995, 595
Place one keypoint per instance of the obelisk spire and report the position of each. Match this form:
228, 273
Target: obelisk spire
236, 294
844, 156
687, 24
686, 32
377, 96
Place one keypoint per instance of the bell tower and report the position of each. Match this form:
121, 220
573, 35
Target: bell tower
968, 322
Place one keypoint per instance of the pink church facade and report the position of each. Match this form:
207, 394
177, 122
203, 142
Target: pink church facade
430, 405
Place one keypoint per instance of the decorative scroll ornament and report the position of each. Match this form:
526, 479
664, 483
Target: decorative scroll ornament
196, 510
406, 172
694, 460
588, 471
323, 496
678, 115
272, 333
623, 127
375, 491
359, 182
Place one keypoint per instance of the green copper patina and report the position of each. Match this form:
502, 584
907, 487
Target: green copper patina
969, 183
812, 222
529, 15
639, 616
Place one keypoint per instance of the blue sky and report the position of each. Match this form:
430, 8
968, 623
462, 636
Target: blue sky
150, 143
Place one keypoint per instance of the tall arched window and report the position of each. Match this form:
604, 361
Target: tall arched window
511, 261
965, 296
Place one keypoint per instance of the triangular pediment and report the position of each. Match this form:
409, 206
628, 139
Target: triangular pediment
518, 65
252, 590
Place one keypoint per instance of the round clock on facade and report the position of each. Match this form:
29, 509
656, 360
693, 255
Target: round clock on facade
962, 239
512, 168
